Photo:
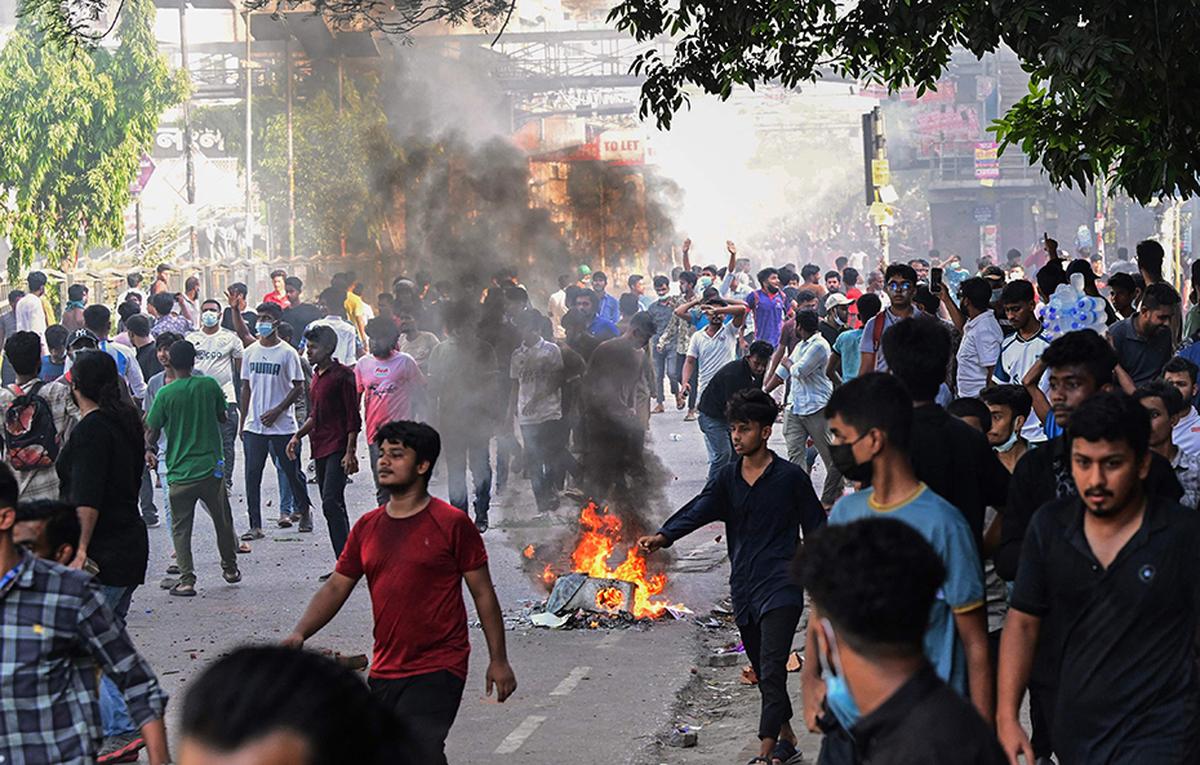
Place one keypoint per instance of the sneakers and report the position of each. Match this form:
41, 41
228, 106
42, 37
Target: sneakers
121, 748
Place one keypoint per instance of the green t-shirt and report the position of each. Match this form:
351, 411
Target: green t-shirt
187, 410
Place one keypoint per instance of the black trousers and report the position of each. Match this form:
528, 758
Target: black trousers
425, 707
331, 481
768, 642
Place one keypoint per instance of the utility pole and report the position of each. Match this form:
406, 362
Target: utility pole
249, 74
291, 163
187, 135
877, 176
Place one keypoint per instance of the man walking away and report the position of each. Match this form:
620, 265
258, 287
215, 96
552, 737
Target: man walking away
189, 411
38, 418
333, 301
31, 313
416, 551
661, 310
765, 503
332, 428
980, 346
737, 375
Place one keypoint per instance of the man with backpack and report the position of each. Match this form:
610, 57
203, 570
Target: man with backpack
37, 418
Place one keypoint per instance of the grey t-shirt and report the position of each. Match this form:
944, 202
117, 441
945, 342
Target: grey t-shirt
1142, 357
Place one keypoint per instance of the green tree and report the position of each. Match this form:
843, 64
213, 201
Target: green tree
333, 151
1112, 82
74, 124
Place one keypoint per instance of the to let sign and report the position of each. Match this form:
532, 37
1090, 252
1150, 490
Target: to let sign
623, 147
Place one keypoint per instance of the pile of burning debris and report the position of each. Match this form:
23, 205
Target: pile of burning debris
587, 593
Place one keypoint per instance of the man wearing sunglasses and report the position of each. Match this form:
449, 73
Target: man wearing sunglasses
900, 281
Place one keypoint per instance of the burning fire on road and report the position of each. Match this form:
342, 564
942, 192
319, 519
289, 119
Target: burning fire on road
594, 583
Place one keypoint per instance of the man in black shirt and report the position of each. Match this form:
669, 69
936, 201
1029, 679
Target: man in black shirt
950, 456
1107, 589
735, 376
764, 501
872, 584
298, 313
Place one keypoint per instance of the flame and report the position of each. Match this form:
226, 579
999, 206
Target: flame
610, 599
599, 536
528, 552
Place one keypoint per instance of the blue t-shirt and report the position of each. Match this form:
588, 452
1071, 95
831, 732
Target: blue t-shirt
51, 371
848, 345
944, 527
1051, 426
768, 314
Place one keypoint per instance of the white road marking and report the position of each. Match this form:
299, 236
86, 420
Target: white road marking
523, 731
568, 684
610, 640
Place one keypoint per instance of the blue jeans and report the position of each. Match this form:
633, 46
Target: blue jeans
287, 500
542, 462
256, 447
114, 715
664, 363
716, 440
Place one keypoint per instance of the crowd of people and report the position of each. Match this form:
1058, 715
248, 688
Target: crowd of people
1002, 512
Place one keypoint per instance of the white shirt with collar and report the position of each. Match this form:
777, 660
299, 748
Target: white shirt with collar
980, 348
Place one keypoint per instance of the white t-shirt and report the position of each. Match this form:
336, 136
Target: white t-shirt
31, 317
1017, 357
214, 357
271, 372
980, 348
713, 352
347, 338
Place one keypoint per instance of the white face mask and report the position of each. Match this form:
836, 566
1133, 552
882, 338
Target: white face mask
210, 318
1012, 438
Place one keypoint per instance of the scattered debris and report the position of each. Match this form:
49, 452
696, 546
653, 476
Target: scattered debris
547, 619
683, 737
679, 612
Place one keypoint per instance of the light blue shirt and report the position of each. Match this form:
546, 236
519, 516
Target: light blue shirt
811, 387
849, 347
944, 527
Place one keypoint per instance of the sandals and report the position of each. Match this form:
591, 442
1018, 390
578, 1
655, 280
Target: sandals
173, 569
285, 522
244, 548
785, 753
252, 535
183, 590
233, 577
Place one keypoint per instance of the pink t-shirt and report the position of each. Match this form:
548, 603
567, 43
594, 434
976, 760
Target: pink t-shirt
388, 387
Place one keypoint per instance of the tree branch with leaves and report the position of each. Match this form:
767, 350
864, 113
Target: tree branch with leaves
1111, 82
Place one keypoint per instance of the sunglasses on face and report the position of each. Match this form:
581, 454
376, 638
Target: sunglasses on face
895, 286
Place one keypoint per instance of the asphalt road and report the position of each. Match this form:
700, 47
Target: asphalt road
584, 696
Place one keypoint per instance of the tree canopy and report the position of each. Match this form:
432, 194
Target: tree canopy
74, 124
1111, 81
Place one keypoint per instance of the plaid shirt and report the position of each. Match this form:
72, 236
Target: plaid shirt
56, 632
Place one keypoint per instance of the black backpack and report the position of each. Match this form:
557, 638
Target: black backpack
30, 437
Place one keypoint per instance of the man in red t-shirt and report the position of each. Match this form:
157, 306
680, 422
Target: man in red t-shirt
415, 552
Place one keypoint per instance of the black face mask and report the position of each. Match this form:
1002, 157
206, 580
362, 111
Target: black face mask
846, 463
